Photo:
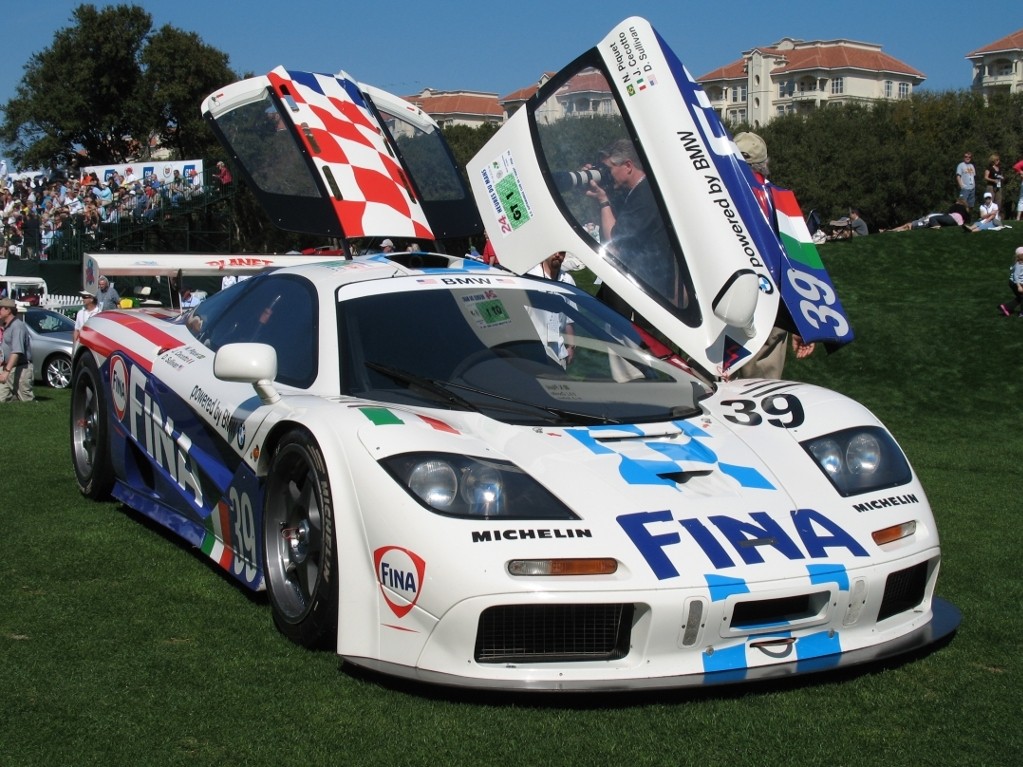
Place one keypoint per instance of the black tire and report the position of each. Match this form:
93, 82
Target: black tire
90, 443
299, 548
57, 371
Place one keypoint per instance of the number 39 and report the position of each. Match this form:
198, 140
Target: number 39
818, 297
785, 409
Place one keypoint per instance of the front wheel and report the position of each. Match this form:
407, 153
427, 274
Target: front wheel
90, 444
57, 371
299, 548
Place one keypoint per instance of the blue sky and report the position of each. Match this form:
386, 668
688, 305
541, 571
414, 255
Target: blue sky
404, 46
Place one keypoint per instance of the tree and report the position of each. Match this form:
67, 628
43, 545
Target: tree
895, 160
466, 141
106, 85
81, 95
179, 71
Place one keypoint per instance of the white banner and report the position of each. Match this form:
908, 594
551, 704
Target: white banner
162, 170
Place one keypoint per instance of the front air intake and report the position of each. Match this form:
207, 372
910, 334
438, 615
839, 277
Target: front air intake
548, 633
903, 591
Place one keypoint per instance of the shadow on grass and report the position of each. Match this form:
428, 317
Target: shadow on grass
255, 597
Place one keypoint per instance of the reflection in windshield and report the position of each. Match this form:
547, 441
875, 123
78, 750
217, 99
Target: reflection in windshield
259, 137
425, 154
491, 350
601, 182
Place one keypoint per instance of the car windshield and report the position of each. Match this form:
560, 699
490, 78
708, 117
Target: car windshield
547, 354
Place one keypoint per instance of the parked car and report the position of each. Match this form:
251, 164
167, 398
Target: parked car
52, 338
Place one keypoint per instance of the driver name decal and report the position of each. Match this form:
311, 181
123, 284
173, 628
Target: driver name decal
631, 62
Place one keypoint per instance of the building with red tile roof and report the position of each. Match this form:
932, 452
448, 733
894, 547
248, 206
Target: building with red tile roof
998, 66
799, 75
448, 108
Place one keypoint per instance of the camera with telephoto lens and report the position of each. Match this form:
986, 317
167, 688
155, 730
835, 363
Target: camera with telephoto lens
567, 180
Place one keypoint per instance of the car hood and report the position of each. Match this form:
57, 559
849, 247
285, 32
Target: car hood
679, 498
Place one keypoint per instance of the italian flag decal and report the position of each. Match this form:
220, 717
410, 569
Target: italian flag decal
383, 416
795, 237
216, 543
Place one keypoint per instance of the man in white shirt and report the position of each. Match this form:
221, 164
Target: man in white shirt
89, 309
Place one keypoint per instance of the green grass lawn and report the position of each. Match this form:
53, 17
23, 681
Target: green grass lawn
120, 646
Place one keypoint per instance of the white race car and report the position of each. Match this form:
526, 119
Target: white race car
456, 474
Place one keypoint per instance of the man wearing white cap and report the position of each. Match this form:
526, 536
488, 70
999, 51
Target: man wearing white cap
89, 308
386, 246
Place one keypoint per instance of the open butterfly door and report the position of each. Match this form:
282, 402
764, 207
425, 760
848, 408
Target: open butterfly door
329, 156
686, 247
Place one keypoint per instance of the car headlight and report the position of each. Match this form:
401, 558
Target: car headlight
859, 460
474, 488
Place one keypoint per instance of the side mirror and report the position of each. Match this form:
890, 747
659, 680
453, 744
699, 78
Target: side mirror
736, 302
254, 364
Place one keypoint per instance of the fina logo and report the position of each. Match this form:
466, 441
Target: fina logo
400, 574
119, 386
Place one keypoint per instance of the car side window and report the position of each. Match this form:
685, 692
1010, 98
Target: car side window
280, 311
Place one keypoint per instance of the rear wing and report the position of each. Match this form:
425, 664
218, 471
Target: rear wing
175, 266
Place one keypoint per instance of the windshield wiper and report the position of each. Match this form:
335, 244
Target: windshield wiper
443, 391
559, 413
428, 385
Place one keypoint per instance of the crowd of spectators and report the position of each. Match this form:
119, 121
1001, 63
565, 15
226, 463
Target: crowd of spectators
41, 214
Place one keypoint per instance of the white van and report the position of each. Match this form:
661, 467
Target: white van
27, 291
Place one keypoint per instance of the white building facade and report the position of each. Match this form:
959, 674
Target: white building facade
998, 67
797, 76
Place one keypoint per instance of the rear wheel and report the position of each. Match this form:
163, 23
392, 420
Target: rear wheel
90, 444
299, 549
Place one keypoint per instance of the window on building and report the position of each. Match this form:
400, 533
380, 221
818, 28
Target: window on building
838, 85
888, 89
903, 90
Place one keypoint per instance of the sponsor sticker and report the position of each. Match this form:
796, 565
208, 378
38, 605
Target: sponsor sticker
400, 574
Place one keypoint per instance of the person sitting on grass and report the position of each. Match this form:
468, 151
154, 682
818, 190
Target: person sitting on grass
847, 228
990, 215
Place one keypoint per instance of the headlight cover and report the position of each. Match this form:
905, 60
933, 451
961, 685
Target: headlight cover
859, 460
473, 488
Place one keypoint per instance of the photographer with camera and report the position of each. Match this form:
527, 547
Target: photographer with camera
634, 230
